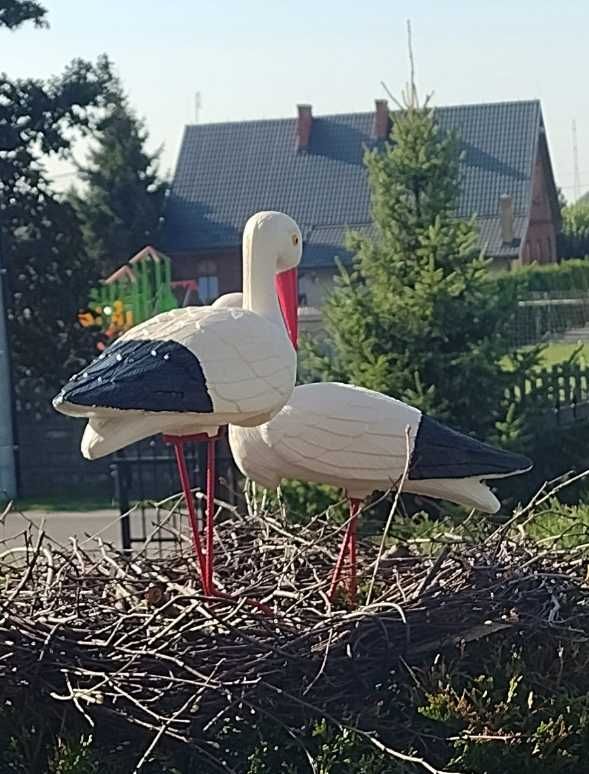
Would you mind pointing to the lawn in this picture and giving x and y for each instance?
(62, 503)
(559, 351)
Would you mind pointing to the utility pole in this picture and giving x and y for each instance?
(7, 457)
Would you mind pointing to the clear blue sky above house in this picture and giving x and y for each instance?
(257, 59)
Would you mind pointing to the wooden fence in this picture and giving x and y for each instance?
(562, 391)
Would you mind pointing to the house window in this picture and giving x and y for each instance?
(528, 251)
(549, 246)
(207, 281)
(540, 254)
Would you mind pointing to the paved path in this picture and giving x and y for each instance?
(60, 525)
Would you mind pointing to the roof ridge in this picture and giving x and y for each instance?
(458, 106)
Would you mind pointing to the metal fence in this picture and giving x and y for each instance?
(546, 316)
(145, 477)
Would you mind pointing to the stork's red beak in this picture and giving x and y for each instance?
(287, 290)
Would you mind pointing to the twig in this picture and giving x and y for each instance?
(186, 707)
(393, 510)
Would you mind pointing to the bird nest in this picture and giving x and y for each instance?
(131, 642)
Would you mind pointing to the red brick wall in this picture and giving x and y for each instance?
(540, 242)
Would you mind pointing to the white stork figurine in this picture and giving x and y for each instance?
(191, 370)
(356, 439)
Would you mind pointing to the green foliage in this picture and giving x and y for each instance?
(49, 274)
(13, 13)
(73, 757)
(571, 275)
(575, 229)
(416, 317)
(524, 706)
(49, 271)
(120, 207)
(575, 218)
(332, 751)
(561, 526)
(304, 501)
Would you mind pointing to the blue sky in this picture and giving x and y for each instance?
(258, 59)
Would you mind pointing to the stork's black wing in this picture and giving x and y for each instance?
(141, 374)
(441, 452)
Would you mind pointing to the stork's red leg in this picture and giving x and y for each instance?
(347, 549)
(185, 481)
(353, 587)
(206, 561)
(341, 558)
(211, 448)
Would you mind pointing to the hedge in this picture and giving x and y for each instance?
(571, 275)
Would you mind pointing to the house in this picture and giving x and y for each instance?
(312, 168)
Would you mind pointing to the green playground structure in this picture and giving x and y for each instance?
(139, 290)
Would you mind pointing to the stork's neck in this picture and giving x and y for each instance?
(259, 291)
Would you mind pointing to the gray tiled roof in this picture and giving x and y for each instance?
(226, 172)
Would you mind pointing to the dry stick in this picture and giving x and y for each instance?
(323, 664)
(534, 502)
(432, 572)
(392, 512)
(161, 525)
(307, 546)
(164, 730)
(29, 571)
(401, 756)
(114, 521)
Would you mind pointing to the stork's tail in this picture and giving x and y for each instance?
(470, 492)
(104, 436)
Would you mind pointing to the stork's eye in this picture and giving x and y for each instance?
(295, 239)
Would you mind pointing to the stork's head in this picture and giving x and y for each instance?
(278, 238)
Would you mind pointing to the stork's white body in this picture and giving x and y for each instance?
(356, 439)
(248, 380)
(192, 370)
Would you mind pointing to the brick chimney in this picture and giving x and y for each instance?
(506, 216)
(304, 124)
(382, 124)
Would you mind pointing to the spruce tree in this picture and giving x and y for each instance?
(416, 317)
(121, 205)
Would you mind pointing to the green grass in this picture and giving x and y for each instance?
(62, 503)
(560, 351)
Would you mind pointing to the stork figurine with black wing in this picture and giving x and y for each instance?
(188, 372)
(361, 441)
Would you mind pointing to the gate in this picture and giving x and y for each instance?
(146, 484)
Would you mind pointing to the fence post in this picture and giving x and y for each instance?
(120, 472)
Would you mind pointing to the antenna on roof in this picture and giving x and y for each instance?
(410, 97)
(577, 175)
(197, 106)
